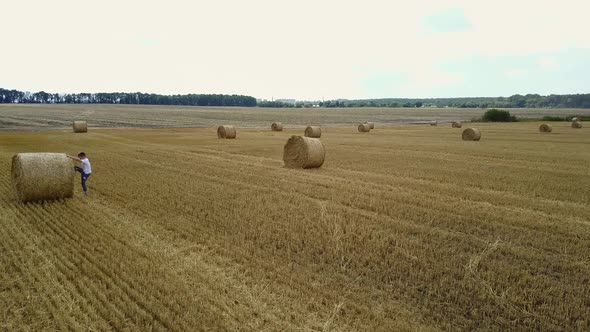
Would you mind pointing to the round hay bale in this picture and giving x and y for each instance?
(313, 131)
(433, 123)
(276, 126)
(304, 152)
(545, 128)
(371, 125)
(471, 134)
(364, 128)
(80, 126)
(226, 132)
(577, 124)
(457, 124)
(42, 176)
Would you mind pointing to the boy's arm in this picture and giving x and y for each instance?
(74, 158)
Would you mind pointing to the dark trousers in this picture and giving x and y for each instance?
(84, 177)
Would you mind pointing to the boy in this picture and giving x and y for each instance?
(85, 170)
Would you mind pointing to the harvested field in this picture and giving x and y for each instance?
(47, 116)
(406, 229)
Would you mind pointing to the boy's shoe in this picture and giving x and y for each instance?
(85, 193)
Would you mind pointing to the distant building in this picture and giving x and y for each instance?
(287, 101)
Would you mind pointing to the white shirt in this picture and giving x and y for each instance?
(86, 166)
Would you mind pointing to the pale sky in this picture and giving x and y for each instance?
(305, 49)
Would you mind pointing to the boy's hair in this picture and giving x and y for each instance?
(81, 155)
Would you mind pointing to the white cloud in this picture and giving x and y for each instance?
(515, 72)
(547, 63)
(302, 49)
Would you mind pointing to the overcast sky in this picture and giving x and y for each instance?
(304, 49)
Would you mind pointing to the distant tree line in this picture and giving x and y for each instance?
(42, 97)
(280, 104)
(515, 101)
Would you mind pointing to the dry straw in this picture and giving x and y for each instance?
(433, 123)
(371, 125)
(364, 128)
(226, 132)
(545, 128)
(276, 126)
(313, 131)
(576, 124)
(304, 152)
(42, 176)
(80, 126)
(471, 134)
(456, 124)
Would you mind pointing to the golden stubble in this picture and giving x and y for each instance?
(409, 228)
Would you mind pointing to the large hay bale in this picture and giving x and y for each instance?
(276, 126)
(364, 128)
(42, 176)
(457, 124)
(576, 124)
(80, 126)
(303, 152)
(433, 123)
(545, 128)
(471, 134)
(313, 131)
(226, 132)
(371, 125)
